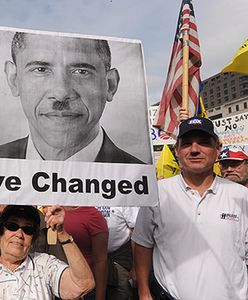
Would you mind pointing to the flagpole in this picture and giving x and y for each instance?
(185, 81)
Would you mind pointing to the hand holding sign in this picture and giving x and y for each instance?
(54, 218)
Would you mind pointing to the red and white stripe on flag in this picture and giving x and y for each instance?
(167, 114)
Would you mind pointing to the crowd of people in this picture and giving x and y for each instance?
(191, 246)
(102, 237)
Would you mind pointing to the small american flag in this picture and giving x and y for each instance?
(167, 114)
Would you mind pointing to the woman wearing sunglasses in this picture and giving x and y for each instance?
(38, 275)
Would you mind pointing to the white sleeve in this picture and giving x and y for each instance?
(130, 215)
(53, 269)
(144, 228)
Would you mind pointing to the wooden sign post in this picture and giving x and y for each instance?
(51, 236)
(185, 81)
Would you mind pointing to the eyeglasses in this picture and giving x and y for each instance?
(29, 230)
(231, 163)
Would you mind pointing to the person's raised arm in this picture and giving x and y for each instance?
(77, 279)
(142, 264)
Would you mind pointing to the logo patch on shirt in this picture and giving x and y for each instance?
(105, 210)
(230, 217)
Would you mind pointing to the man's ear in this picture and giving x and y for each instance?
(11, 75)
(175, 149)
(176, 154)
(113, 79)
(218, 150)
(218, 146)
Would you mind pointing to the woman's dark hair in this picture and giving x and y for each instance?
(26, 212)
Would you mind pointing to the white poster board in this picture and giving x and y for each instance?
(233, 129)
(74, 122)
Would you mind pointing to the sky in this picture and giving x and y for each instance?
(222, 27)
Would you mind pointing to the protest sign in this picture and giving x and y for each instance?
(233, 129)
(73, 114)
(158, 136)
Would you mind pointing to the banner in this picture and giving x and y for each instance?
(158, 136)
(233, 129)
(74, 123)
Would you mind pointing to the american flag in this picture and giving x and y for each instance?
(167, 114)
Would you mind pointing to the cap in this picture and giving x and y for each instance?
(27, 212)
(195, 123)
(232, 153)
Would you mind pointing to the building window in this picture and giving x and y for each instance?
(245, 105)
(233, 89)
(218, 95)
(226, 98)
(237, 107)
(225, 85)
(229, 110)
(211, 91)
(212, 103)
(244, 85)
(243, 78)
(225, 92)
(244, 92)
(234, 95)
(233, 82)
(219, 101)
(217, 116)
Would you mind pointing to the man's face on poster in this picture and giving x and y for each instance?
(63, 85)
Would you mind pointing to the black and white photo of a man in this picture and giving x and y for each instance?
(64, 84)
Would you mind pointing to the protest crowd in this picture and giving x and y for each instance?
(191, 245)
(177, 246)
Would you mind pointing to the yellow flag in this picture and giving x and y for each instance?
(167, 165)
(217, 169)
(202, 110)
(240, 61)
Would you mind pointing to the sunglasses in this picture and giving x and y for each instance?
(29, 230)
